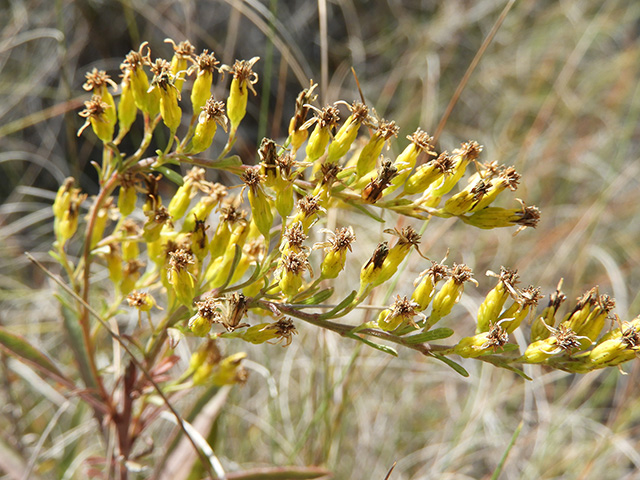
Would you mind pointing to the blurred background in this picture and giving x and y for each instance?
(556, 94)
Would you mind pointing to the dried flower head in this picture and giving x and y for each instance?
(340, 240)
(373, 191)
(213, 111)
(94, 109)
(242, 70)
(326, 118)
(387, 129)
(97, 79)
(293, 238)
(181, 259)
(184, 49)
(471, 150)
(252, 178)
(497, 337)
(422, 141)
(309, 205)
(296, 263)
(284, 330)
(134, 60)
(205, 62)
(461, 273)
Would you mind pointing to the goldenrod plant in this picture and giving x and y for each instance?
(226, 263)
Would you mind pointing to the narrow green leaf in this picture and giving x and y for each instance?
(377, 346)
(319, 297)
(514, 437)
(342, 305)
(280, 473)
(18, 347)
(429, 336)
(172, 175)
(366, 211)
(457, 367)
(74, 334)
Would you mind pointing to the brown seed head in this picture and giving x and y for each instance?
(296, 262)
(242, 71)
(213, 110)
(134, 60)
(294, 237)
(471, 150)
(422, 141)
(339, 240)
(181, 259)
(285, 329)
(209, 308)
(94, 108)
(460, 273)
(206, 62)
(386, 129)
(309, 205)
(97, 79)
(183, 49)
(497, 337)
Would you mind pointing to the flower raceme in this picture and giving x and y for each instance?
(220, 263)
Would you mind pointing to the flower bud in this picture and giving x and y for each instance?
(100, 222)
(127, 109)
(420, 143)
(348, 132)
(435, 170)
(264, 332)
(372, 150)
(494, 301)
(308, 210)
(133, 66)
(400, 314)
(181, 275)
(298, 133)
(218, 272)
(163, 84)
(205, 63)
(261, 212)
(513, 317)
(114, 264)
(211, 116)
(449, 294)
(207, 313)
(371, 270)
(67, 225)
(130, 275)
(156, 220)
(97, 83)
(425, 285)
(335, 249)
(292, 266)
(229, 371)
(127, 196)
(461, 158)
(193, 181)
(244, 78)
(229, 216)
(481, 343)
(103, 124)
(539, 327)
(325, 120)
(204, 207)
(182, 54)
(507, 178)
(496, 217)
